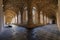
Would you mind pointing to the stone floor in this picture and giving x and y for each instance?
(47, 32)
(13, 33)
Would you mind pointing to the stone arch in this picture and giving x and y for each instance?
(9, 15)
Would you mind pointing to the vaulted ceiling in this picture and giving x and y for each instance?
(47, 6)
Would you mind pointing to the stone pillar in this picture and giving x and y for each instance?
(58, 19)
(19, 17)
(58, 15)
(1, 15)
(21, 10)
(24, 17)
(43, 18)
(38, 11)
(30, 18)
(46, 19)
(38, 16)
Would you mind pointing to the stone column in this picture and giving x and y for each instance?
(38, 11)
(18, 18)
(21, 10)
(43, 18)
(38, 16)
(24, 17)
(58, 15)
(58, 19)
(46, 19)
(1, 15)
(30, 18)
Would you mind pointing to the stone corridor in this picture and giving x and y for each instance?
(47, 32)
(30, 19)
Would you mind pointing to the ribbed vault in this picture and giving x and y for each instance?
(48, 7)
